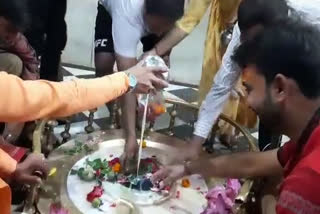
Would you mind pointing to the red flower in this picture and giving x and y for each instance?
(98, 172)
(95, 193)
(57, 209)
(167, 188)
(114, 161)
(148, 160)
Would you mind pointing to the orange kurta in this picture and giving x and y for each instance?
(22, 101)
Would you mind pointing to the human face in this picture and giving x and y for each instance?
(158, 24)
(260, 99)
(8, 32)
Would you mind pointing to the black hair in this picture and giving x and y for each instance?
(15, 11)
(291, 48)
(172, 9)
(261, 12)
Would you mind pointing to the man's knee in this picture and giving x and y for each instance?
(11, 64)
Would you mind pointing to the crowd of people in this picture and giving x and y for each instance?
(275, 50)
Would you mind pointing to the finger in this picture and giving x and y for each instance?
(158, 69)
(159, 83)
(159, 75)
(41, 167)
(30, 179)
(44, 170)
(141, 89)
(159, 175)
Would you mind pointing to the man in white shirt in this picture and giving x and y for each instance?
(251, 14)
(120, 25)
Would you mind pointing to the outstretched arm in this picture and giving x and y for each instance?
(241, 165)
(191, 18)
(224, 81)
(31, 100)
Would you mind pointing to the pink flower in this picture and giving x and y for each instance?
(57, 209)
(233, 188)
(221, 199)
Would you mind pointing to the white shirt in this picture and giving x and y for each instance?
(229, 73)
(128, 25)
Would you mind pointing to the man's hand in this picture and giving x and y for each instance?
(168, 175)
(153, 52)
(32, 170)
(148, 78)
(129, 157)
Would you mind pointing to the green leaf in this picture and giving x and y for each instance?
(80, 172)
(73, 172)
(105, 164)
(96, 164)
(86, 175)
(149, 168)
(105, 172)
(96, 202)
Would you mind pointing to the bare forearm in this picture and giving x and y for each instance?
(128, 102)
(128, 106)
(241, 165)
(196, 143)
(171, 39)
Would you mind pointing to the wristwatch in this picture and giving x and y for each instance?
(133, 82)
